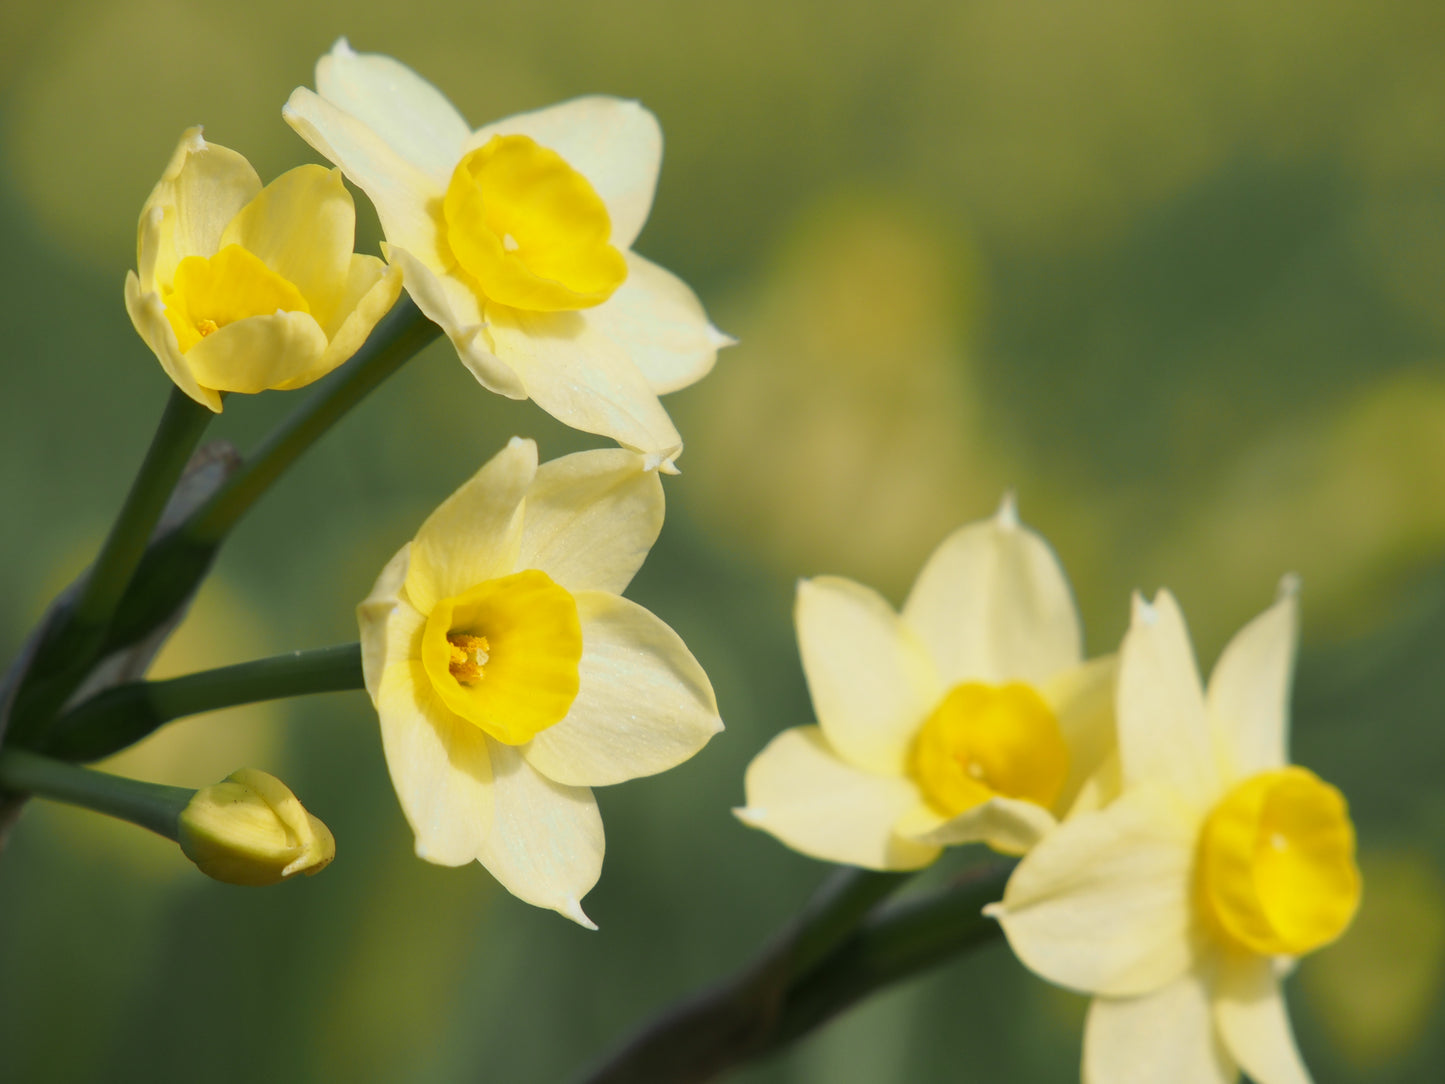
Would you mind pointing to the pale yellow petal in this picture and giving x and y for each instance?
(643, 705)
(404, 195)
(303, 226)
(992, 605)
(390, 627)
(615, 144)
(583, 378)
(259, 353)
(1104, 903)
(1082, 698)
(371, 290)
(871, 681)
(1250, 1012)
(148, 314)
(439, 766)
(201, 190)
(1163, 727)
(1166, 1037)
(545, 846)
(801, 792)
(662, 325)
(473, 535)
(450, 303)
(401, 107)
(1249, 689)
(591, 519)
(1008, 825)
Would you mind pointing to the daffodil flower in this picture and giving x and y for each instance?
(240, 288)
(510, 677)
(1180, 904)
(516, 240)
(970, 717)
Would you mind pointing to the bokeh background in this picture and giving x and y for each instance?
(1174, 271)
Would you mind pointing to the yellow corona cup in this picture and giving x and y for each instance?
(510, 676)
(969, 717)
(240, 288)
(516, 239)
(250, 829)
(1177, 904)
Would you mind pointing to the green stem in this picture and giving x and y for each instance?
(714, 1029)
(401, 334)
(149, 805)
(72, 643)
(123, 715)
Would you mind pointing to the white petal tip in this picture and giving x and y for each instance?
(1007, 516)
(719, 339)
(1144, 611)
(749, 815)
(194, 139)
(994, 911)
(717, 725)
(342, 47)
(1289, 585)
(573, 909)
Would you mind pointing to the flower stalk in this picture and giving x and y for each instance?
(125, 714)
(150, 805)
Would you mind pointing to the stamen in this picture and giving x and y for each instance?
(510, 243)
(207, 327)
(468, 655)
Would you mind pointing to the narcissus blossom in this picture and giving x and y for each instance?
(249, 829)
(516, 240)
(1182, 902)
(240, 288)
(510, 677)
(969, 717)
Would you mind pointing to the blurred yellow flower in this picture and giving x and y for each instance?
(971, 717)
(1179, 903)
(516, 240)
(240, 288)
(510, 677)
(250, 829)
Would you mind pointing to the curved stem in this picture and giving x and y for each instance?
(124, 714)
(149, 805)
(396, 338)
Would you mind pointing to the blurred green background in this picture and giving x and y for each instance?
(1174, 271)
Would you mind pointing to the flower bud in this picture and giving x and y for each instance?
(251, 830)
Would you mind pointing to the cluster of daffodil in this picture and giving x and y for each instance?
(1173, 863)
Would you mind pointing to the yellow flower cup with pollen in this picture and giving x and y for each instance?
(969, 717)
(240, 288)
(511, 677)
(516, 239)
(1177, 903)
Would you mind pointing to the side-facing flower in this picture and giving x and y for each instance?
(969, 717)
(516, 240)
(510, 677)
(1180, 904)
(240, 288)
(249, 829)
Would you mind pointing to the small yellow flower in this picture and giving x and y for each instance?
(510, 677)
(970, 717)
(251, 830)
(240, 288)
(1181, 903)
(516, 240)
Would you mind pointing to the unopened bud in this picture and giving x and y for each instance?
(251, 830)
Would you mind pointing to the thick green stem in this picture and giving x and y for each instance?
(62, 661)
(401, 334)
(149, 805)
(124, 714)
(769, 1004)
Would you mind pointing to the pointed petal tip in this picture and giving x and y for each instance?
(749, 815)
(1007, 516)
(994, 911)
(1289, 586)
(1144, 611)
(342, 47)
(573, 909)
(720, 339)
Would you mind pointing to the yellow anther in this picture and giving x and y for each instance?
(206, 327)
(467, 655)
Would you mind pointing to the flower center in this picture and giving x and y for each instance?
(504, 655)
(530, 229)
(1277, 866)
(984, 741)
(208, 293)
